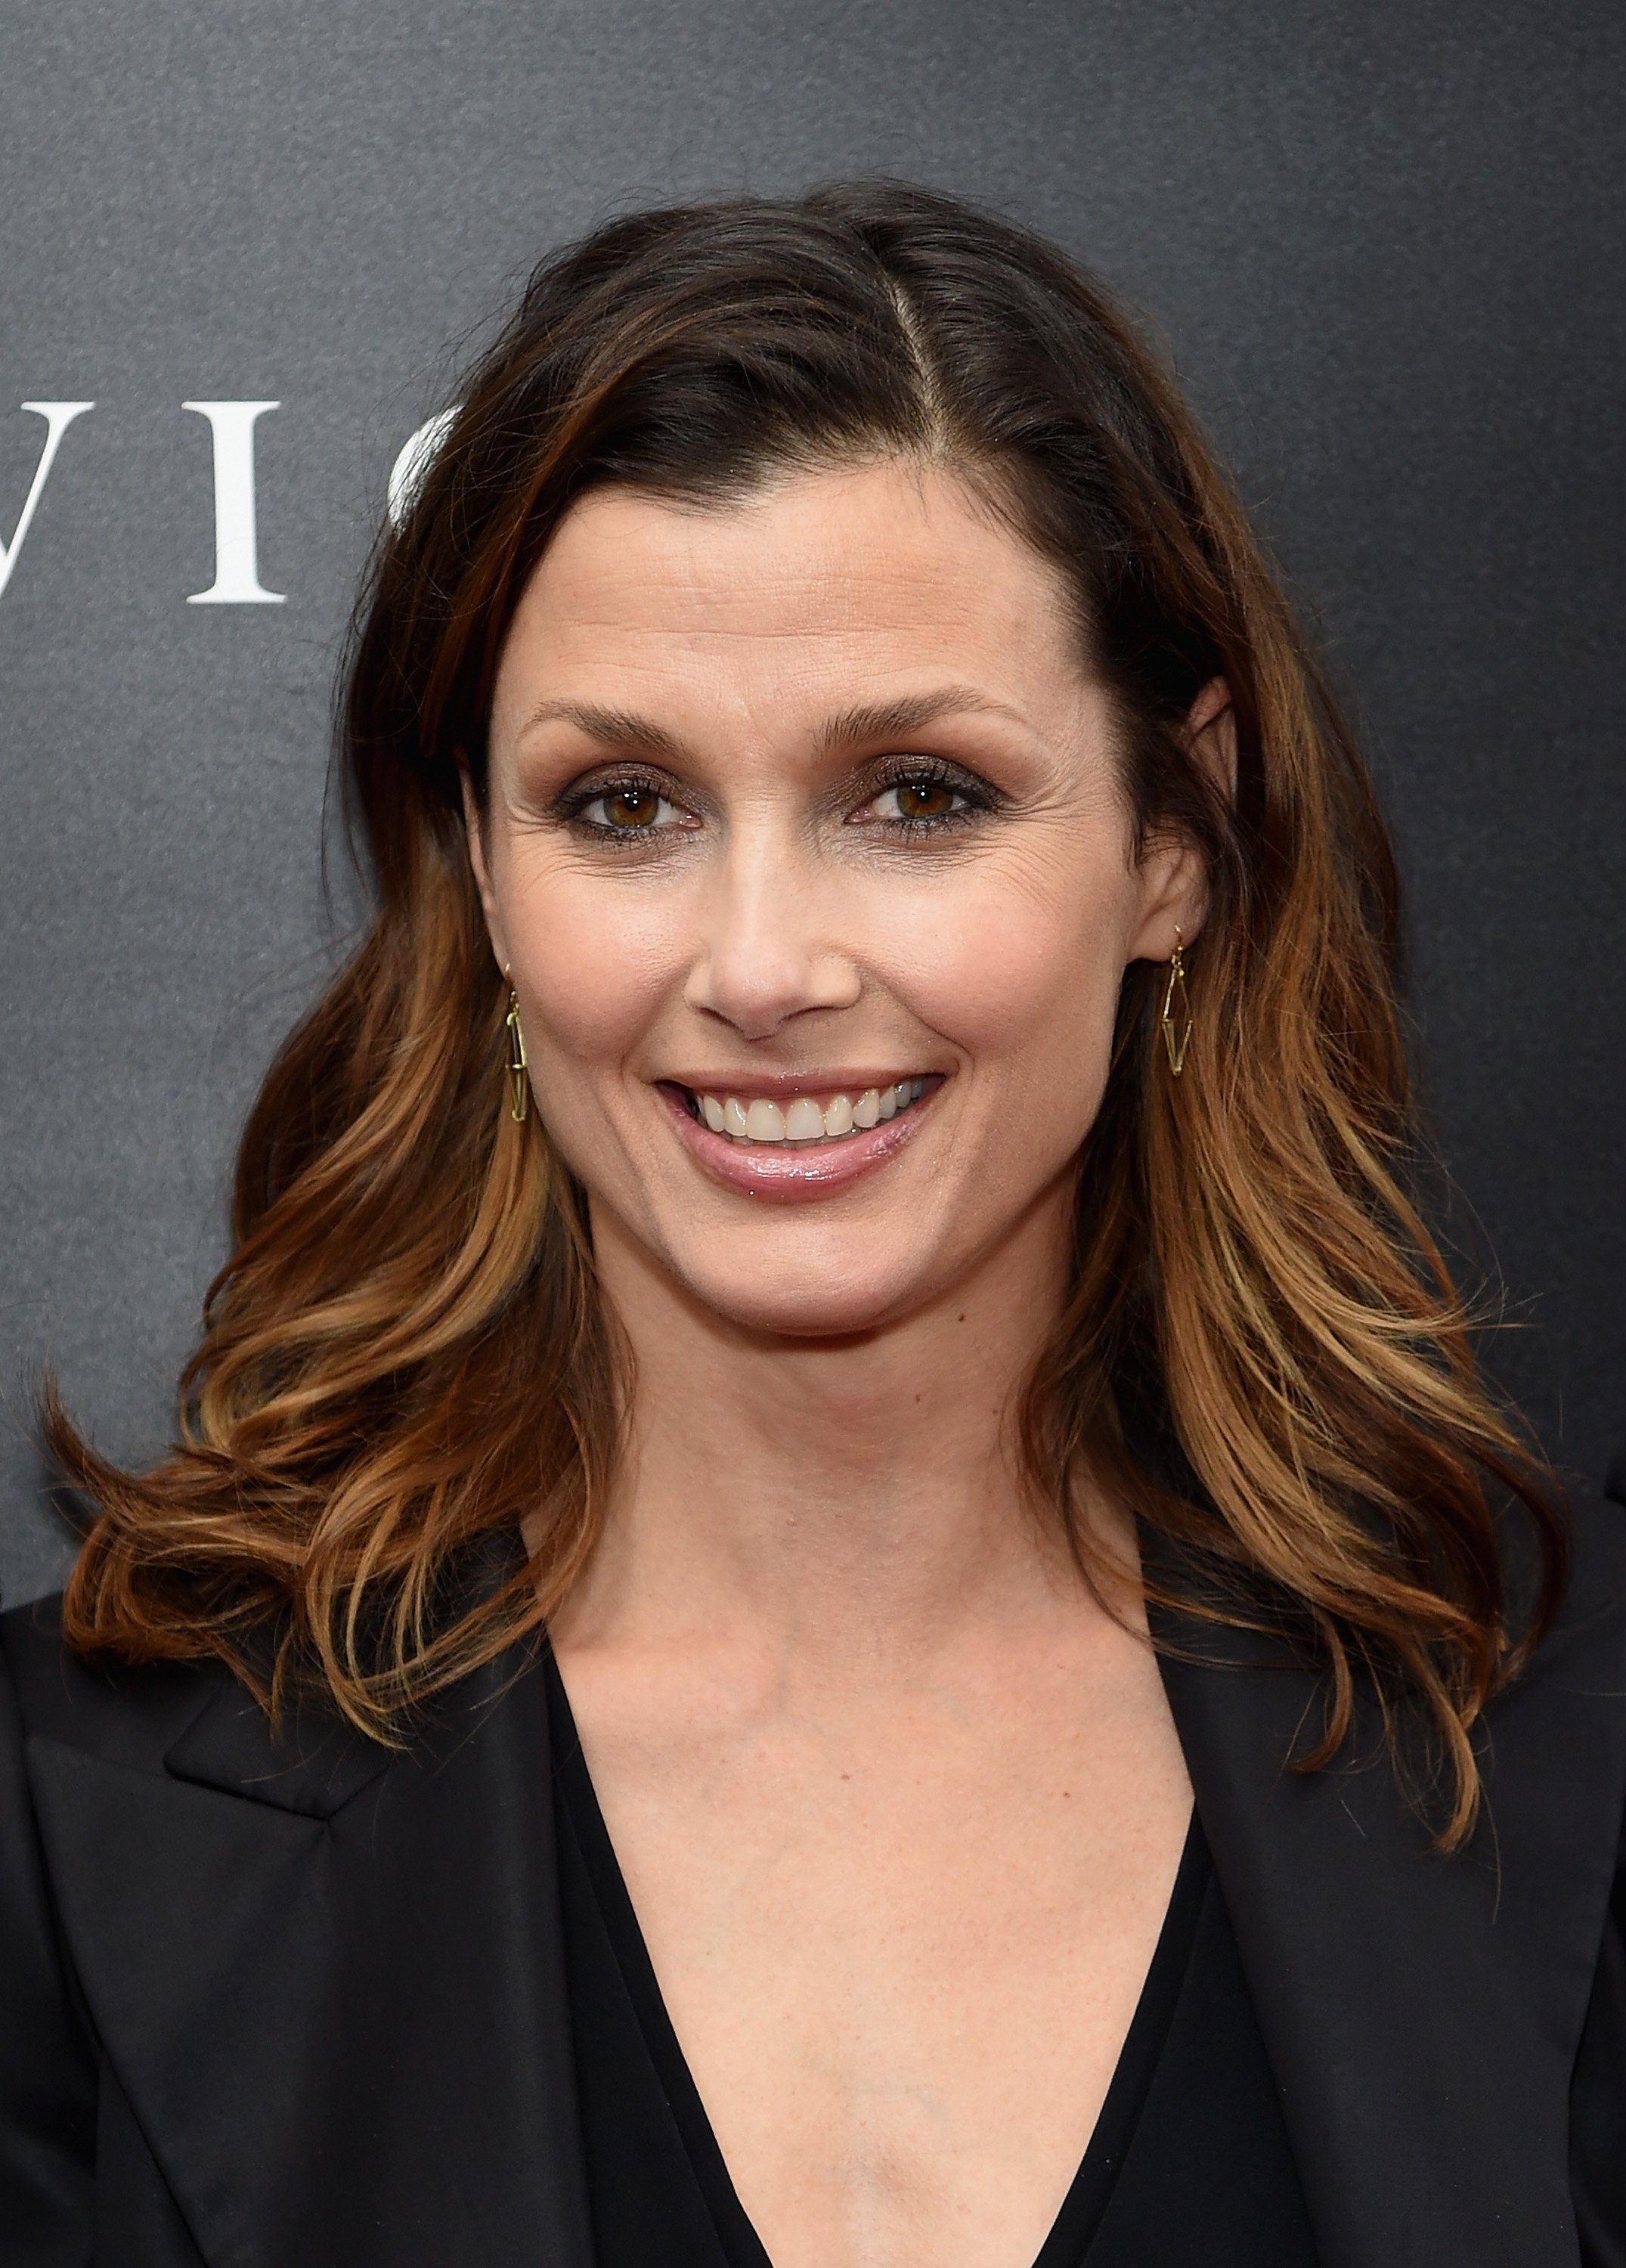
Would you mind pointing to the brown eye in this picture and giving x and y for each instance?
(631, 808)
(919, 798)
(923, 800)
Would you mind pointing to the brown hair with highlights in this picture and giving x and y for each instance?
(405, 1353)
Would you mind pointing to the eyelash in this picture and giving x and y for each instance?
(976, 801)
(578, 802)
(976, 798)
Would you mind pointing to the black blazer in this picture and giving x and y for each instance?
(300, 2006)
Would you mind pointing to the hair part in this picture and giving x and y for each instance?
(406, 1354)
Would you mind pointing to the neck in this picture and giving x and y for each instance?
(851, 1500)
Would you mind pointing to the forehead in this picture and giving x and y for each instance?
(822, 586)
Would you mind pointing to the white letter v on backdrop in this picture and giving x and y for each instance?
(58, 417)
(237, 565)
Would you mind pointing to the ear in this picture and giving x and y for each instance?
(1211, 735)
(1174, 906)
(474, 833)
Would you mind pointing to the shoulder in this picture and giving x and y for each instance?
(1535, 1879)
(1581, 1663)
(255, 1930)
(1552, 1749)
(1595, 1600)
(129, 1715)
(105, 1724)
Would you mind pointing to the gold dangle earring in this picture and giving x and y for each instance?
(1176, 1017)
(518, 1070)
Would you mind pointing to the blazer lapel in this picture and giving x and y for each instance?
(1421, 2013)
(330, 1983)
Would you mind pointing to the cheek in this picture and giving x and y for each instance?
(592, 965)
(1025, 979)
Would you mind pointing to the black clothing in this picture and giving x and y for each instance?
(302, 2003)
(1190, 2160)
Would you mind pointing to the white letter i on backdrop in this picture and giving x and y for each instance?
(237, 565)
(58, 417)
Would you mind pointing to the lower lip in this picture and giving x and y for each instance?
(794, 1173)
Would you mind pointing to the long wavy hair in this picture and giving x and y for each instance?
(405, 1354)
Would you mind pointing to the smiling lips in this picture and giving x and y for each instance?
(803, 1117)
(794, 1146)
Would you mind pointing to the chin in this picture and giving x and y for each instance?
(842, 1304)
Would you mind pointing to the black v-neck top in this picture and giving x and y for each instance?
(1190, 2160)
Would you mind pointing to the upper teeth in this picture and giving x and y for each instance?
(755, 1119)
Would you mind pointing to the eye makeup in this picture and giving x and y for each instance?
(930, 795)
(630, 804)
(927, 795)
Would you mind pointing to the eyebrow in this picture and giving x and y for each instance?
(884, 720)
(875, 721)
(615, 728)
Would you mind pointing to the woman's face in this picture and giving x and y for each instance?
(806, 847)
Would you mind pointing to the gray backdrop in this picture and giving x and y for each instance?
(1384, 241)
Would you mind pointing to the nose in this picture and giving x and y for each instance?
(770, 948)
